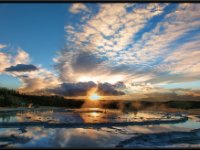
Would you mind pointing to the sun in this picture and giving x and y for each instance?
(94, 96)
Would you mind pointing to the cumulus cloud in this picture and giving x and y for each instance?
(32, 77)
(21, 68)
(108, 89)
(7, 60)
(82, 88)
(22, 57)
(38, 81)
(78, 7)
(74, 89)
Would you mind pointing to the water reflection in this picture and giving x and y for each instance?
(8, 117)
(60, 138)
(79, 137)
(82, 137)
(83, 116)
(94, 116)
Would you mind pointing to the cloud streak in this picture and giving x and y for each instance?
(21, 68)
(78, 8)
(128, 50)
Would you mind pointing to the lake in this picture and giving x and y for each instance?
(94, 127)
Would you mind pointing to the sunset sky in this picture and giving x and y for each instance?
(124, 49)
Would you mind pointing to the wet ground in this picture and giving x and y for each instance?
(63, 128)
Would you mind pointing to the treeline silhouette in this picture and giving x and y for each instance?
(12, 98)
(140, 105)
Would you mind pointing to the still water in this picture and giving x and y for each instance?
(36, 135)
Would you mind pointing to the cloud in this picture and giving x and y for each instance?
(85, 61)
(161, 41)
(73, 62)
(2, 46)
(22, 57)
(119, 85)
(74, 89)
(172, 96)
(162, 94)
(108, 89)
(117, 45)
(21, 68)
(185, 60)
(96, 51)
(7, 60)
(161, 53)
(82, 88)
(4, 61)
(78, 7)
(32, 77)
(39, 82)
(112, 31)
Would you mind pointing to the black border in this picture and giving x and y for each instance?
(98, 1)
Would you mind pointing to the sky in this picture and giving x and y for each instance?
(120, 49)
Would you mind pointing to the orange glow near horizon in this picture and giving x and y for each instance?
(94, 96)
